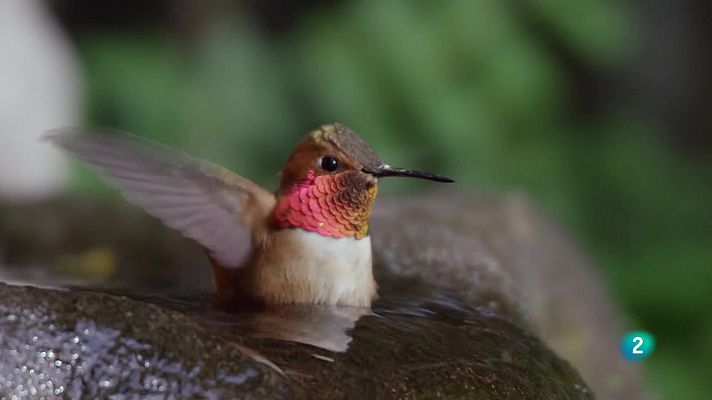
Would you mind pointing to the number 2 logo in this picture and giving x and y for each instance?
(637, 345)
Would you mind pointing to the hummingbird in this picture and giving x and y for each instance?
(306, 243)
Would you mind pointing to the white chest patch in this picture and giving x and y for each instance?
(311, 268)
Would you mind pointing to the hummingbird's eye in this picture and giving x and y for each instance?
(329, 163)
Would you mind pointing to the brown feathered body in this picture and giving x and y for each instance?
(306, 243)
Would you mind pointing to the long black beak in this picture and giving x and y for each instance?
(386, 170)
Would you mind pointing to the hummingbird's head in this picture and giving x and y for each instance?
(329, 183)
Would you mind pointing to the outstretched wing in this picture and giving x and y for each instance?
(205, 202)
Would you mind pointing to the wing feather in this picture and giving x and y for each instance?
(205, 202)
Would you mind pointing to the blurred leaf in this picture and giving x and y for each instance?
(598, 31)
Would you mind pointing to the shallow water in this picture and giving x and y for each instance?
(415, 339)
(407, 307)
(406, 303)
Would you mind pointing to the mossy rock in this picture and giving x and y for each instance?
(83, 344)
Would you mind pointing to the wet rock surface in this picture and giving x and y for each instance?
(91, 345)
(86, 344)
(504, 252)
(469, 308)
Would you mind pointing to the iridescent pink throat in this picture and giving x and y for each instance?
(336, 205)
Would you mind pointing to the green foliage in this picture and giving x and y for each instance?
(463, 88)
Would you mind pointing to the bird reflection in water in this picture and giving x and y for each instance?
(324, 327)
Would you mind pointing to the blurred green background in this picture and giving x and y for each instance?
(566, 100)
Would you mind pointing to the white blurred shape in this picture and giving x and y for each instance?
(40, 89)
